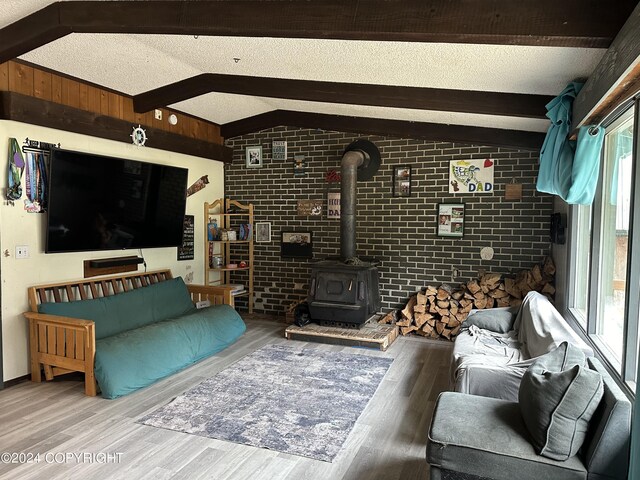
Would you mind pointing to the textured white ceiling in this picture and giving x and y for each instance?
(135, 63)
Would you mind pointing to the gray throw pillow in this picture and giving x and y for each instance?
(558, 396)
(496, 320)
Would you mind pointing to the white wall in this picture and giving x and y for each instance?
(20, 228)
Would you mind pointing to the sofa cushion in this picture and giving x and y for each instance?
(498, 320)
(128, 310)
(134, 359)
(558, 396)
(487, 437)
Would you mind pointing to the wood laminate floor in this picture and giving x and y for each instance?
(57, 421)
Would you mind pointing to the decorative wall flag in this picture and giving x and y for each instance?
(16, 167)
(471, 176)
(333, 205)
(198, 185)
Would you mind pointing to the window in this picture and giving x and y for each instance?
(613, 231)
(603, 268)
(582, 253)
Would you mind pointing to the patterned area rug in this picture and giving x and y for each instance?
(299, 401)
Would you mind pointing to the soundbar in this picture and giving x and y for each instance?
(115, 262)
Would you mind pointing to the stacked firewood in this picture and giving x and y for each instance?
(440, 311)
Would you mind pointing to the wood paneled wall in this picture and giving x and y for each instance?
(45, 85)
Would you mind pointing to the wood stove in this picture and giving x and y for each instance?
(342, 293)
(345, 291)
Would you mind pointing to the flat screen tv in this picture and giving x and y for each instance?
(105, 203)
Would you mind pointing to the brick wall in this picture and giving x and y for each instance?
(401, 232)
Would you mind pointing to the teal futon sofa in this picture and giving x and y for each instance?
(127, 332)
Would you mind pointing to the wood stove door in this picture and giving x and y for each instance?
(338, 287)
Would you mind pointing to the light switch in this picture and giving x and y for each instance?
(22, 251)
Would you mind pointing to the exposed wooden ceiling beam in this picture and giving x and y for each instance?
(569, 23)
(393, 128)
(615, 79)
(490, 103)
(35, 111)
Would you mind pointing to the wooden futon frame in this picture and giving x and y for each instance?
(61, 345)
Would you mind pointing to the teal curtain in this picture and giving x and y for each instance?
(569, 168)
(586, 166)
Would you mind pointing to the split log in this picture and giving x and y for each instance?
(405, 322)
(549, 268)
(511, 288)
(431, 291)
(407, 311)
(421, 318)
(443, 304)
(409, 329)
(439, 328)
(458, 294)
(453, 322)
(444, 292)
(473, 286)
(421, 299)
(490, 279)
(419, 309)
(467, 308)
(481, 303)
(536, 273)
(497, 293)
(503, 302)
(389, 317)
(427, 329)
(548, 288)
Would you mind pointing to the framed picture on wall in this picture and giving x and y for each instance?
(450, 220)
(402, 181)
(263, 232)
(296, 245)
(254, 156)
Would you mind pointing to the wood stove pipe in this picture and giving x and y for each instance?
(351, 160)
(360, 161)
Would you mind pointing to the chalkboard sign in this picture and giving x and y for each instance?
(185, 252)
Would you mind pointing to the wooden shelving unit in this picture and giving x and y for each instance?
(229, 215)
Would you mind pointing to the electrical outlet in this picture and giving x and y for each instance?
(22, 251)
(158, 114)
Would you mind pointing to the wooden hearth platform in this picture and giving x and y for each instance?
(371, 334)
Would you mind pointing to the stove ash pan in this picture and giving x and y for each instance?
(343, 293)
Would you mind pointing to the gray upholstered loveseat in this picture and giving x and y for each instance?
(475, 438)
(484, 436)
